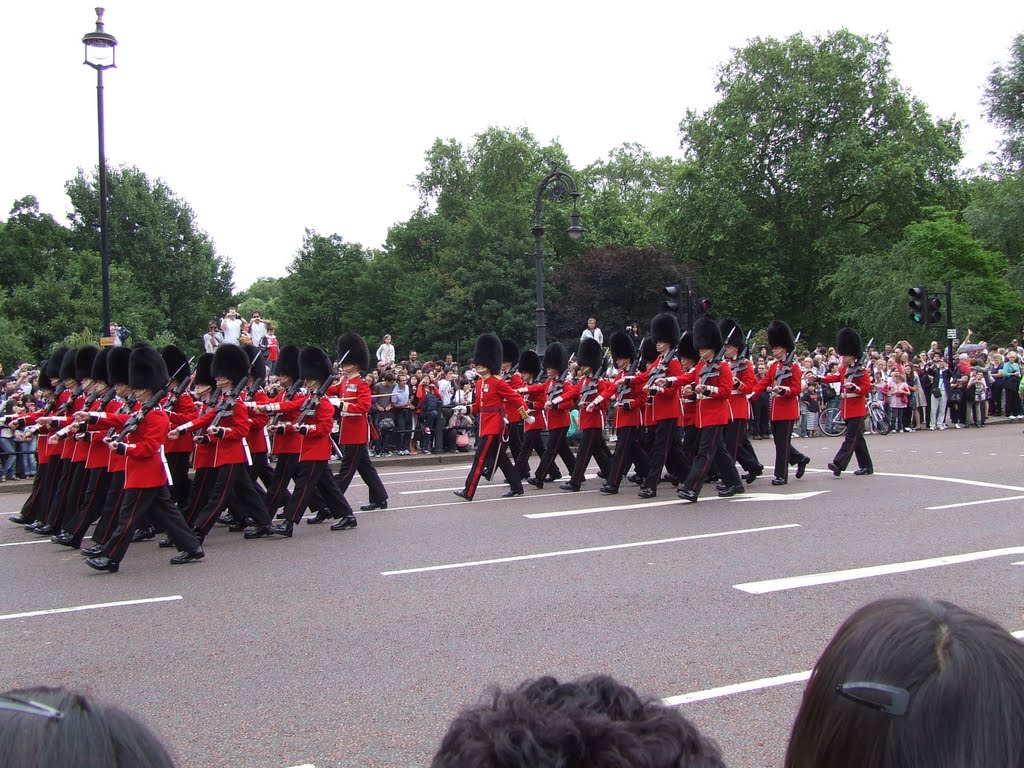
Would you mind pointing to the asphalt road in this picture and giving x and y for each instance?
(356, 648)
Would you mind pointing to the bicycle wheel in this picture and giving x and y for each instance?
(831, 423)
(879, 421)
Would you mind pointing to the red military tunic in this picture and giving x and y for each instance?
(99, 451)
(229, 448)
(712, 404)
(184, 409)
(315, 432)
(354, 425)
(558, 415)
(142, 449)
(595, 419)
(635, 397)
(494, 398)
(516, 382)
(664, 404)
(535, 404)
(288, 441)
(257, 437)
(784, 407)
(743, 382)
(115, 421)
(853, 402)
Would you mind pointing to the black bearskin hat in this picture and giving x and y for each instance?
(665, 327)
(848, 342)
(146, 369)
(529, 362)
(67, 365)
(556, 357)
(314, 364)
(589, 354)
(686, 349)
(621, 345)
(648, 352)
(117, 365)
(258, 369)
(488, 352)
(509, 351)
(231, 362)
(780, 335)
(53, 364)
(84, 358)
(176, 362)
(99, 366)
(204, 371)
(355, 346)
(706, 334)
(288, 362)
(727, 325)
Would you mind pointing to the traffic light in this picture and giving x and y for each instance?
(918, 304)
(673, 298)
(934, 312)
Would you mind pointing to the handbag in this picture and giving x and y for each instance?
(386, 424)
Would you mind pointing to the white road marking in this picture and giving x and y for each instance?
(586, 550)
(458, 502)
(976, 502)
(752, 685)
(482, 486)
(416, 471)
(118, 604)
(799, 496)
(749, 496)
(832, 577)
(957, 480)
(21, 543)
(406, 482)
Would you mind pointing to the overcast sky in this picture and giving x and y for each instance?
(268, 118)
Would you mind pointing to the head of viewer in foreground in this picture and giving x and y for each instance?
(594, 722)
(56, 728)
(913, 683)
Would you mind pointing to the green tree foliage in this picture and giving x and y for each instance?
(814, 152)
(870, 292)
(617, 285)
(1004, 99)
(996, 217)
(172, 282)
(262, 296)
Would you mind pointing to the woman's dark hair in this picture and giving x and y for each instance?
(57, 728)
(913, 683)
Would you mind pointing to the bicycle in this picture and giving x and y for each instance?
(833, 424)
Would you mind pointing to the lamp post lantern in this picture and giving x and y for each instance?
(99, 54)
(557, 184)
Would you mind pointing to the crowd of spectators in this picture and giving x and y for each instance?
(18, 448)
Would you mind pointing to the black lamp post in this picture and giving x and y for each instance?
(99, 54)
(557, 184)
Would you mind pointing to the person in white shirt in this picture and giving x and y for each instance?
(212, 339)
(231, 327)
(257, 330)
(592, 332)
(386, 351)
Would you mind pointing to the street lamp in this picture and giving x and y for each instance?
(99, 54)
(557, 184)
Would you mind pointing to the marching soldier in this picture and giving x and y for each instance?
(509, 372)
(559, 396)
(594, 394)
(856, 383)
(494, 398)
(782, 380)
(743, 382)
(662, 381)
(630, 397)
(533, 395)
(184, 407)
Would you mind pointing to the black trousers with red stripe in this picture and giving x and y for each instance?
(356, 459)
(490, 452)
(73, 493)
(628, 450)
(199, 493)
(532, 443)
(261, 470)
(313, 479)
(177, 464)
(666, 451)
(739, 446)
(277, 492)
(112, 503)
(711, 452)
(785, 454)
(61, 473)
(557, 446)
(232, 479)
(97, 481)
(591, 445)
(41, 488)
(854, 444)
(156, 504)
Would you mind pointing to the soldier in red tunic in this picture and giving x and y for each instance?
(629, 398)
(559, 398)
(711, 383)
(856, 383)
(493, 399)
(782, 380)
(743, 382)
(510, 373)
(179, 451)
(594, 394)
(145, 471)
(662, 381)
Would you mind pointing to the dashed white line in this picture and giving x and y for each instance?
(586, 550)
(22, 543)
(118, 604)
(975, 503)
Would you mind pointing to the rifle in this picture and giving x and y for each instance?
(626, 383)
(660, 369)
(785, 369)
(595, 376)
(181, 388)
(860, 365)
(226, 405)
(136, 418)
(311, 403)
(82, 426)
(711, 369)
(559, 385)
(31, 430)
(507, 375)
(293, 390)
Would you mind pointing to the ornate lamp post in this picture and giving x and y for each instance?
(99, 54)
(557, 184)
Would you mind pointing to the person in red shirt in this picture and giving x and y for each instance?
(312, 419)
(856, 384)
(493, 399)
(783, 382)
(629, 397)
(146, 472)
(594, 393)
(559, 399)
(270, 342)
(355, 398)
(743, 382)
(711, 383)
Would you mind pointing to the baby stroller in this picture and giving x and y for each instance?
(462, 423)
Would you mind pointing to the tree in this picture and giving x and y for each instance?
(1004, 100)
(262, 296)
(870, 292)
(996, 217)
(172, 282)
(813, 152)
(28, 241)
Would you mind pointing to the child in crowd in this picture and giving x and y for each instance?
(898, 392)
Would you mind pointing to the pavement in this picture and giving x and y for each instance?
(356, 648)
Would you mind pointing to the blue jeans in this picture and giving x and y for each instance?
(8, 453)
(28, 464)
